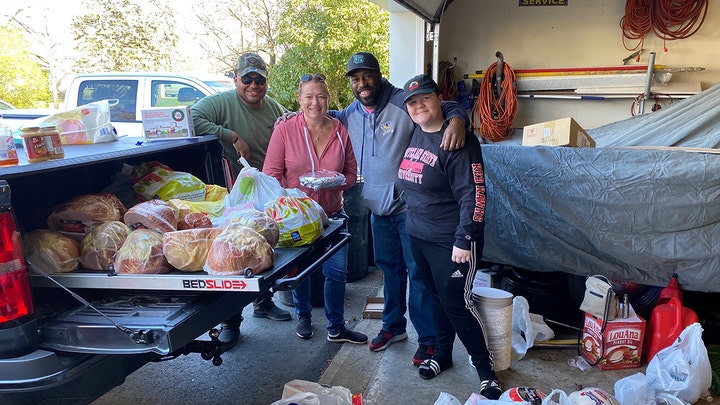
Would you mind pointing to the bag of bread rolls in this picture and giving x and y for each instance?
(98, 248)
(52, 251)
(299, 219)
(157, 215)
(194, 220)
(213, 209)
(256, 220)
(236, 249)
(187, 249)
(77, 217)
(142, 254)
(154, 180)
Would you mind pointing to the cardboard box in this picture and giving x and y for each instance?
(373, 308)
(167, 123)
(486, 278)
(562, 132)
(623, 341)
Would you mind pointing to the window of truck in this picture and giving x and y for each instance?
(125, 91)
(220, 84)
(166, 93)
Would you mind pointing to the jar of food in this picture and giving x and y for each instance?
(53, 143)
(34, 144)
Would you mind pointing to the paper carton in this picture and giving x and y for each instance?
(486, 278)
(373, 307)
(167, 123)
(562, 132)
(623, 341)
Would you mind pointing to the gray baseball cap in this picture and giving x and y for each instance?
(251, 62)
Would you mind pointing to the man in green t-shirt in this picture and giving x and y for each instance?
(243, 119)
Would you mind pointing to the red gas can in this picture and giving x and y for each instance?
(672, 290)
(666, 323)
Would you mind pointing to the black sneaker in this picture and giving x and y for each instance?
(384, 339)
(347, 335)
(272, 311)
(431, 368)
(423, 353)
(229, 333)
(304, 328)
(490, 389)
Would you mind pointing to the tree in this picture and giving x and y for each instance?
(120, 35)
(318, 36)
(24, 81)
(43, 43)
(233, 27)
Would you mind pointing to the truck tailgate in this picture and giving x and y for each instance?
(84, 354)
(160, 313)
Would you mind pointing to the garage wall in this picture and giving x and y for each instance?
(582, 34)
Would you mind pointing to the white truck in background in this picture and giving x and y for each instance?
(133, 91)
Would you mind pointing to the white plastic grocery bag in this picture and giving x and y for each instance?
(683, 368)
(253, 188)
(86, 124)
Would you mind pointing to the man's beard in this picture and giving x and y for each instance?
(368, 101)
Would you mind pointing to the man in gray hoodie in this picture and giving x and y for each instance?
(380, 130)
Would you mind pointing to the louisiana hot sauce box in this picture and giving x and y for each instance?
(623, 341)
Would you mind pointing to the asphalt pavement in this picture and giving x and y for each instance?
(268, 355)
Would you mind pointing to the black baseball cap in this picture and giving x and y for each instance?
(362, 60)
(420, 84)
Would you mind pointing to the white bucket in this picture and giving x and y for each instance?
(495, 307)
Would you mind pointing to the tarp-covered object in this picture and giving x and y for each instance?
(631, 214)
(692, 123)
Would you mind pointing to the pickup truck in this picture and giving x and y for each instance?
(134, 92)
(74, 336)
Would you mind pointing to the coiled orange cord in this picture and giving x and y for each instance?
(446, 80)
(678, 19)
(493, 117)
(636, 23)
(668, 19)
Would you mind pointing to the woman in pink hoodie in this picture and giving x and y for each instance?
(313, 142)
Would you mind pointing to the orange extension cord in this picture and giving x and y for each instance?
(446, 81)
(493, 118)
(668, 19)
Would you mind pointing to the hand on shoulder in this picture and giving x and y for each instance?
(285, 117)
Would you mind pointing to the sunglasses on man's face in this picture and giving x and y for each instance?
(259, 80)
(309, 76)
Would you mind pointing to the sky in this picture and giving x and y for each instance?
(55, 17)
(53, 14)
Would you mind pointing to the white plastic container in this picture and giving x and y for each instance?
(495, 307)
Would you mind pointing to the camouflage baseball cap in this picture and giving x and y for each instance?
(250, 62)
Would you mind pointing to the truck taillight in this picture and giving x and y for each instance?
(15, 298)
(18, 327)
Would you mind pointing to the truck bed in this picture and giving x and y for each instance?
(96, 328)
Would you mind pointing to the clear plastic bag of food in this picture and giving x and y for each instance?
(321, 179)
